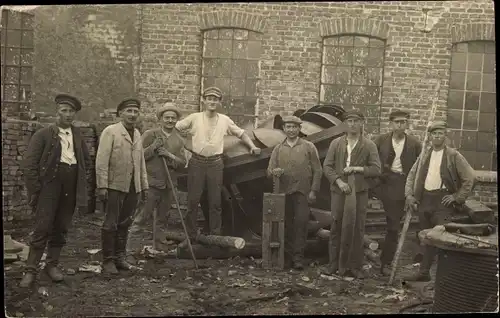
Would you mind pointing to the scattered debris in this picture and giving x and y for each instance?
(70, 271)
(95, 254)
(90, 269)
(231, 272)
(12, 246)
(305, 278)
(43, 291)
(328, 277)
(7, 268)
(150, 252)
(19, 314)
(141, 262)
(10, 258)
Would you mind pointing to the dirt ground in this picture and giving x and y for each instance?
(169, 286)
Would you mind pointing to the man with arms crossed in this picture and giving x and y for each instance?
(205, 169)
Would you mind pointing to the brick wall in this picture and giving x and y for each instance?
(89, 51)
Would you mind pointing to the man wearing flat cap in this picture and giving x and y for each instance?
(398, 152)
(295, 161)
(122, 183)
(55, 166)
(350, 160)
(443, 182)
(205, 169)
(162, 143)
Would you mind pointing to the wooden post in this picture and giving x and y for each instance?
(273, 229)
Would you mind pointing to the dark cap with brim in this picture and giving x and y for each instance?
(353, 114)
(169, 106)
(64, 99)
(131, 102)
(437, 125)
(399, 114)
(292, 120)
(212, 91)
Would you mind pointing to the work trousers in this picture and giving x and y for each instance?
(432, 212)
(159, 199)
(205, 174)
(296, 217)
(393, 200)
(347, 240)
(120, 208)
(55, 208)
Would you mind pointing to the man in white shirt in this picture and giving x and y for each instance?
(55, 171)
(205, 169)
(398, 152)
(443, 183)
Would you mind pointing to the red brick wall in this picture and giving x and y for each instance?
(292, 33)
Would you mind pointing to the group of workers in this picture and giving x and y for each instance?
(132, 170)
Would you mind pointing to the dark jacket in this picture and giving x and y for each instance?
(457, 175)
(157, 176)
(41, 160)
(411, 151)
(364, 154)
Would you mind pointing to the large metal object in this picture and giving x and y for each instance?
(245, 178)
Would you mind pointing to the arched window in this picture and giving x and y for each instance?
(17, 62)
(352, 75)
(231, 62)
(472, 102)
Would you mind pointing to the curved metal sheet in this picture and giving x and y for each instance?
(331, 109)
(322, 119)
(309, 128)
(269, 137)
(234, 147)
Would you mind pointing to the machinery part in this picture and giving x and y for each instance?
(465, 282)
(273, 228)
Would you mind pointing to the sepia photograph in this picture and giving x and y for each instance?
(249, 158)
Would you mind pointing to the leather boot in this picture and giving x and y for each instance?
(121, 250)
(54, 273)
(108, 252)
(34, 257)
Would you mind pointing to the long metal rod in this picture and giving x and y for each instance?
(408, 213)
(180, 213)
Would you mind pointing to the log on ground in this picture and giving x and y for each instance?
(213, 240)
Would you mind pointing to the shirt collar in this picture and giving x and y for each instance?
(298, 142)
(65, 130)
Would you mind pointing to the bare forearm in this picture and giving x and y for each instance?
(246, 139)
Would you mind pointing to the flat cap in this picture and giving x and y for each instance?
(437, 125)
(131, 102)
(292, 119)
(399, 113)
(212, 91)
(353, 114)
(68, 100)
(169, 106)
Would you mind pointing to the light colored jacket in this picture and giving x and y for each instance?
(118, 157)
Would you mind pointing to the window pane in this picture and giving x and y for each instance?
(332, 55)
(373, 95)
(12, 74)
(237, 87)
(376, 42)
(14, 19)
(251, 88)
(208, 82)
(345, 57)
(487, 122)
(455, 138)
(360, 55)
(357, 95)
(212, 34)
(473, 81)
(13, 37)
(488, 102)
(226, 34)
(27, 57)
(458, 61)
(461, 47)
(27, 40)
(470, 156)
(469, 140)
(238, 69)
(240, 34)
(342, 75)
(455, 119)
(239, 49)
(223, 85)
(476, 47)
(25, 94)
(490, 47)
(254, 36)
(486, 142)
(225, 48)
(224, 68)
(489, 83)
(361, 41)
(346, 40)
(475, 62)
(489, 63)
(336, 93)
(483, 161)
(211, 67)
(472, 100)
(331, 41)
(456, 99)
(470, 120)
(374, 76)
(252, 69)
(329, 74)
(457, 80)
(358, 76)
(11, 92)
(494, 161)
(211, 48)
(375, 58)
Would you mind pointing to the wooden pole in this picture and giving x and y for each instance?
(180, 213)
(408, 212)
